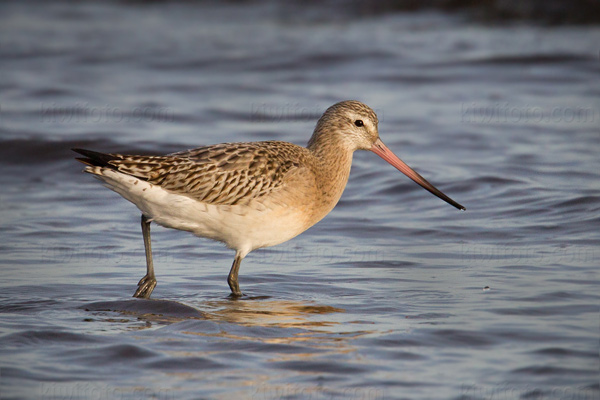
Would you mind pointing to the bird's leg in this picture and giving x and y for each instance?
(232, 279)
(147, 284)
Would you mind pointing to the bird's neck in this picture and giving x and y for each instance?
(333, 162)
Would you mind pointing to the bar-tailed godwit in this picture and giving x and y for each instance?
(247, 195)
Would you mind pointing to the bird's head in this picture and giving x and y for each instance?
(351, 125)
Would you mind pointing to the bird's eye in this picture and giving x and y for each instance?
(359, 122)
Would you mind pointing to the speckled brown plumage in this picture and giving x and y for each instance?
(223, 174)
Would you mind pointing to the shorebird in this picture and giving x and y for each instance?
(247, 195)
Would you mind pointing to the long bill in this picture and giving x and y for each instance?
(382, 151)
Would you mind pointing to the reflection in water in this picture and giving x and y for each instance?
(271, 313)
(295, 336)
(149, 312)
(306, 320)
(247, 312)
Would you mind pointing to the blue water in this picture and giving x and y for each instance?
(395, 295)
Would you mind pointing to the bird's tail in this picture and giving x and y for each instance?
(95, 159)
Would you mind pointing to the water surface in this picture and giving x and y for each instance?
(394, 295)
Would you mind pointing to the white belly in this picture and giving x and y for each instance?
(243, 228)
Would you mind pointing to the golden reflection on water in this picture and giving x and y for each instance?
(318, 330)
(270, 313)
(313, 323)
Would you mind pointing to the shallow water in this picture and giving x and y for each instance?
(394, 295)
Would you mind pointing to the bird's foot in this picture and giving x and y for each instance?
(234, 285)
(236, 296)
(145, 287)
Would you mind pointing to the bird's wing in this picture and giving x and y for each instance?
(224, 174)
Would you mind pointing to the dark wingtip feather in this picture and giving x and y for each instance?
(94, 158)
(85, 161)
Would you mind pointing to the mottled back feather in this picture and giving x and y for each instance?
(222, 174)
